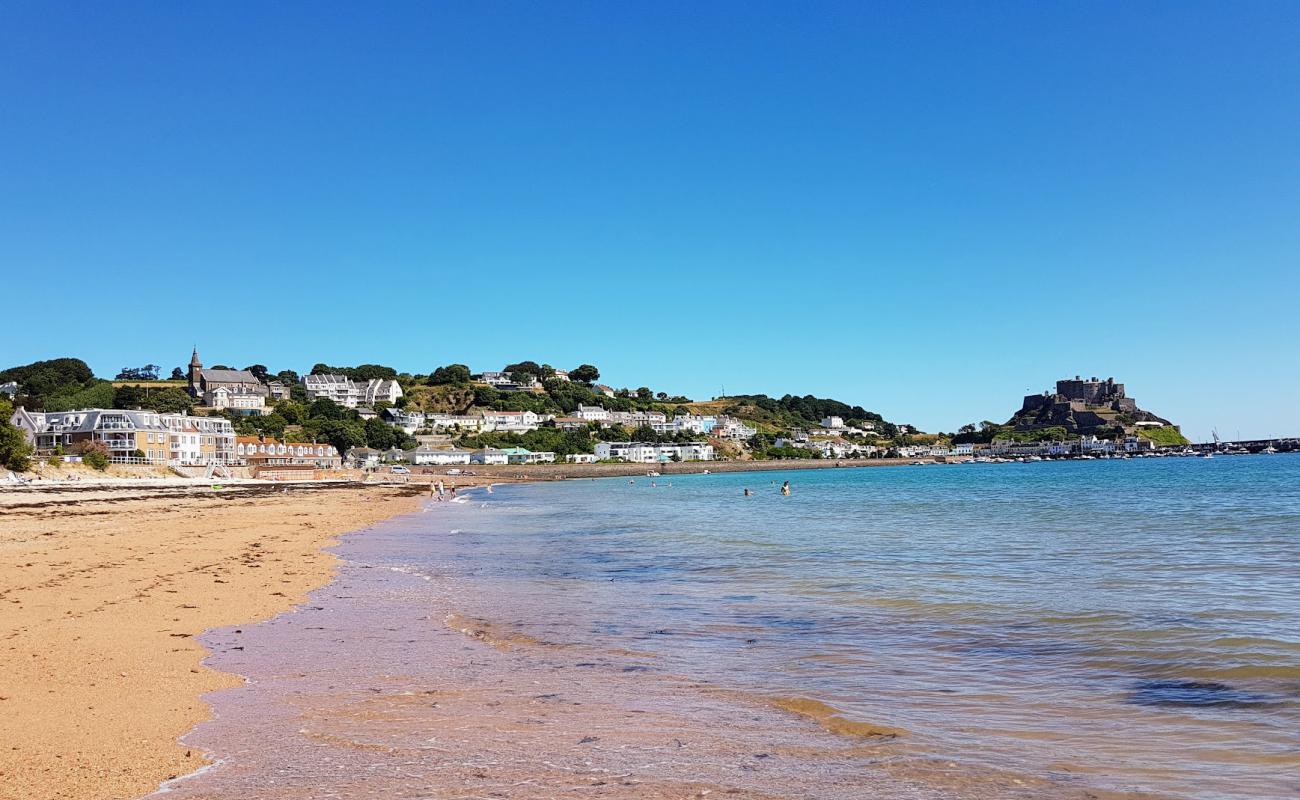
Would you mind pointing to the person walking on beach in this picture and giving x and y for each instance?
(785, 489)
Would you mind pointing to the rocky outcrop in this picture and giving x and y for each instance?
(1083, 407)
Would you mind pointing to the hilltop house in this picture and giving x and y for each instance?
(505, 382)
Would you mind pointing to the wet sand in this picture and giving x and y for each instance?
(102, 593)
(379, 686)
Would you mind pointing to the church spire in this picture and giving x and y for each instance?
(194, 359)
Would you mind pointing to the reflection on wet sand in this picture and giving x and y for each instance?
(357, 695)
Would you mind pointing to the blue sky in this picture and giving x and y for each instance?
(926, 209)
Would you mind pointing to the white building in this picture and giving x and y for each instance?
(522, 455)
(635, 419)
(832, 422)
(174, 439)
(652, 453)
(732, 428)
(513, 421)
(408, 421)
(239, 398)
(580, 458)
(347, 392)
(505, 382)
(489, 455)
(687, 423)
(426, 456)
(592, 413)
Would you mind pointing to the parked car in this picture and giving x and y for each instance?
(401, 471)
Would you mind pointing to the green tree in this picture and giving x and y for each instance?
(325, 408)
(172, 400)
(15, 452)
(177, 374)
(585, 374)
(380, 435)
(450, 374)
(94, 455)
(342, 434)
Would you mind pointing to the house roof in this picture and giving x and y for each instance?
(228, 376)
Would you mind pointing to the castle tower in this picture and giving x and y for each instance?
(196, 367)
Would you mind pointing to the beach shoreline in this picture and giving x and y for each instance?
(105, 590)
(475, 706)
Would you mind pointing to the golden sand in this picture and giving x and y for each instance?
(101, 596)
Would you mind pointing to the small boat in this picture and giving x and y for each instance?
(652, 474)
(1207, 455)
(1270, 450)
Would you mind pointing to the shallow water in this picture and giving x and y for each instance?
(1052, 629)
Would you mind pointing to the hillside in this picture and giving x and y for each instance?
(776, 415)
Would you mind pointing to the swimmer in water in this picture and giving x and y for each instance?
(747, 493)
(785, 489)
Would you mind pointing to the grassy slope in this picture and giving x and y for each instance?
(1165, 437)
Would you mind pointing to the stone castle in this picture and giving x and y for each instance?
(1083, 406)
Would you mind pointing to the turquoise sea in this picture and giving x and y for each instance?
(1105, 628)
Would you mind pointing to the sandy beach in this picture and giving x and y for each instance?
(102, 591)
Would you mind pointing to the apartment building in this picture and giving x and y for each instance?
(349, 393)
(176, 439)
